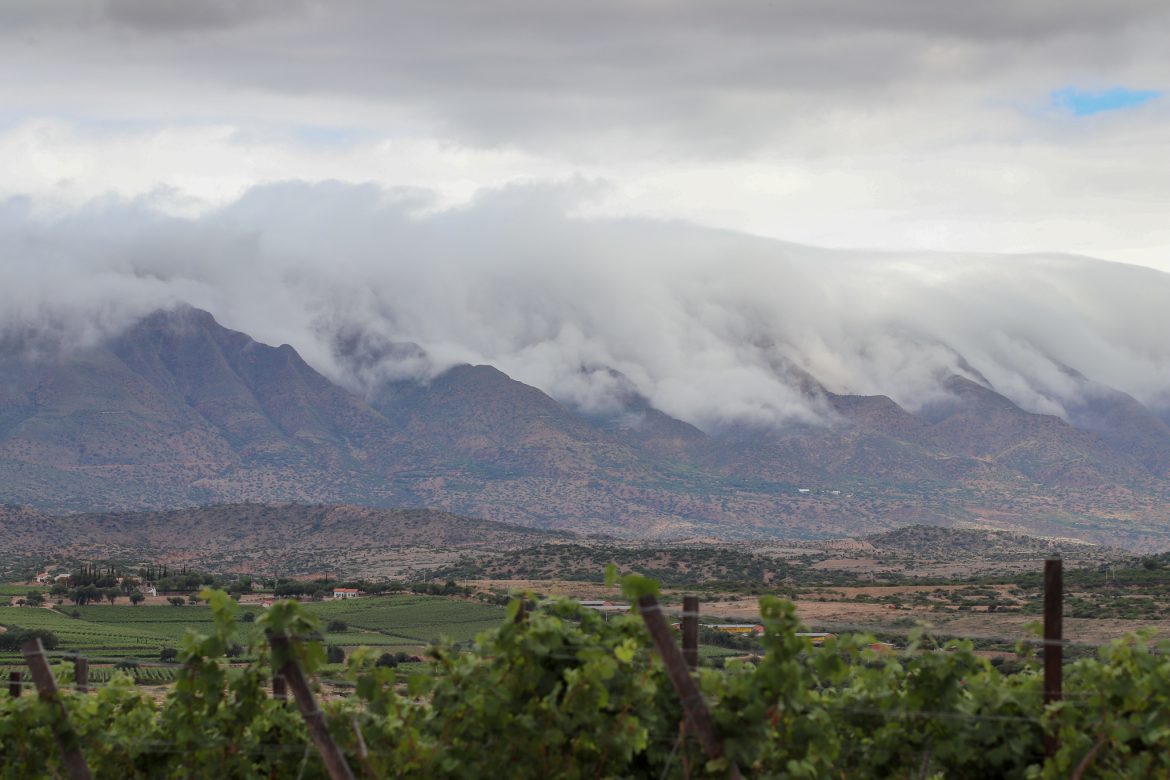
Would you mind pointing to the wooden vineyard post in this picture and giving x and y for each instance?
(81, 674)
(314, 719)
(279, 687)
(690, 631)
(684, 685)
(521, 611)
(690, 649)
(1053, 639)
(38, 666)
(14, 684)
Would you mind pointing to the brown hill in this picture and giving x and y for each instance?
(179, 410)
(982, 424)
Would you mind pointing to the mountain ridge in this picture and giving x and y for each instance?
(179, 411)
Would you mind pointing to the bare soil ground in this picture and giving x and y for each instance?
(833, 609)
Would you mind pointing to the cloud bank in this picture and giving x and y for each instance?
(714, 327)
(905, 123)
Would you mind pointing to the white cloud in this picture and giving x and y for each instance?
(902, 126)
(711, 326)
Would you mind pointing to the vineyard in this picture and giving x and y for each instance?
(89, 636)
(148, 675)
(559, 692)
(410, 620)
(398, 622)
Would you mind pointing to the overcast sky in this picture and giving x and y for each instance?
(564, 189)
(991, 126)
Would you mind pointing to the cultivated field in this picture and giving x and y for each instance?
(110, 634)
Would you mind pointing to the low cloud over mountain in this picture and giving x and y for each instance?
(719, 329)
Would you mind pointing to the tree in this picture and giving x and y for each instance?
(137, 598)
(85, 594)
(111, 594)
(34, 598)
(334, 654)
(177, 601)
(241, 586)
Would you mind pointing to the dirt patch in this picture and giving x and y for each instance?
(568, 588)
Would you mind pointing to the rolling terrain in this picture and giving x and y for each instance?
(261, 539)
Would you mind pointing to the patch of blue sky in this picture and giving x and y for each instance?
(1085, 102)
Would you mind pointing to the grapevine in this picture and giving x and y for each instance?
(562, 693)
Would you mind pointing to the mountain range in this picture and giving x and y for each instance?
(179, 411)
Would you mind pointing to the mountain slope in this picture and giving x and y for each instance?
(180, 411)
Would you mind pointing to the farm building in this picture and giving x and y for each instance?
(739, 628)
(345, 593)
(606, 606)
(753, 629)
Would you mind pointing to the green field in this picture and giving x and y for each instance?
(99, 638)
(20, 591)
(109, 633)
(707, 652)
(146, 675)
(406, 620)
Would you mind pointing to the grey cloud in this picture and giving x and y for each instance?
(714, 327)
(712, 76)
(177, 15)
